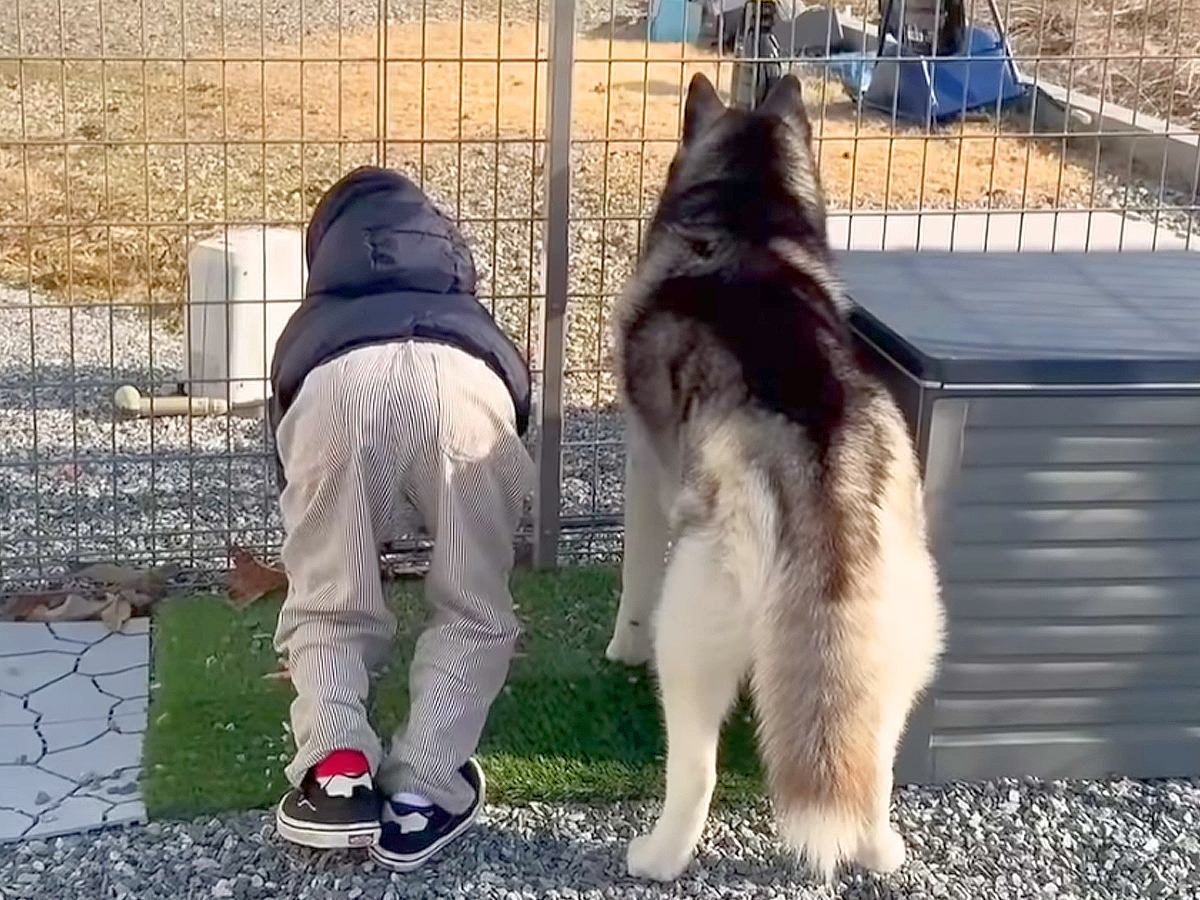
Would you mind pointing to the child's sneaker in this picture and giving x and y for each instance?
(413, 833)
(336, 806)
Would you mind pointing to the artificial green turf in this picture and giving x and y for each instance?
(568, 726)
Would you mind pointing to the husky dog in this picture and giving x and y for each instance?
(784, 478)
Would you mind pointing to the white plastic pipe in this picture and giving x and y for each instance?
(130, 402)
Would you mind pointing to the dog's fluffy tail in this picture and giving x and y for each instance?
(817, 690)
(819, 716)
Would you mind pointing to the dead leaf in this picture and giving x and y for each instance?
(17, 607)
(251, 579)
(117, 612)
(104, 591)
(137, 600)
(74, 608)
(150, 582)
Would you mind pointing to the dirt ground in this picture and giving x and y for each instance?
(1142, 54)
(109, 170)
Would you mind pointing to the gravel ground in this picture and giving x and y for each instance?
(1087, 841)
(78, 483)
(162, 29)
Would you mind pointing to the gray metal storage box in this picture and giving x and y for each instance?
(1055, 401)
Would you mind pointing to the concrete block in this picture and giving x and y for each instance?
(116, 653)
(68, 735)
(22, 675)
(14, 712)
(79, 632)
(119, 787)
(132, 812)
(73, 815)
(133, 707)
(29, 788)
(110, 752)
(13, 824)
(20, 638)
(127, 684)
(70, 699)
(19, 744)
(1153, 144)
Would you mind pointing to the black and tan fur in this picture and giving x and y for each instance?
(784, 480)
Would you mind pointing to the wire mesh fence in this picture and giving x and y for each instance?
(132, 133)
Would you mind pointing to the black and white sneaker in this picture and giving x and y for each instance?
(412, 834)
(331, 810)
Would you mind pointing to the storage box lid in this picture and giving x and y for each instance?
(1031, 318)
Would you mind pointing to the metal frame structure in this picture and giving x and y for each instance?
(129, 131)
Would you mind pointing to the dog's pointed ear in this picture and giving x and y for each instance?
(786, 102)
(703, 107)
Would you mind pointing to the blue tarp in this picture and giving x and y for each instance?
(853, 70)
(927, 88)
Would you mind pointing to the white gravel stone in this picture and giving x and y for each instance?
(1094, 846)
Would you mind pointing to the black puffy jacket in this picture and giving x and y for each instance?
(385, 265)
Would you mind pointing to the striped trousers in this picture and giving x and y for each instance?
(380, 440)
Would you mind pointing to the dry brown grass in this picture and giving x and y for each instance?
(1142, 54)
(107, 173)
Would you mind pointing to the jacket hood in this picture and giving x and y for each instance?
(375, 232)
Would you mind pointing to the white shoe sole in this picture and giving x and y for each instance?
(326, 837)
(397, 863)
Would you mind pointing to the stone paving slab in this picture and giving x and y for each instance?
(73, 708)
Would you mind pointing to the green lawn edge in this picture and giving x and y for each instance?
(568, 726)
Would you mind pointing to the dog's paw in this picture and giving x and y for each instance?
(884, 853)
(630, 646)
(652, 856)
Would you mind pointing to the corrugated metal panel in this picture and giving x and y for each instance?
(1083, 412)
(1131, 750)
(1071, 570)
(1031, 675)
(983, 523)
(1093, 599)
(1084, 637)
(1028, 486)
(1167, 706)
(1084, 560)
(1091, 446)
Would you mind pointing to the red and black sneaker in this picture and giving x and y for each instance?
(336, 806)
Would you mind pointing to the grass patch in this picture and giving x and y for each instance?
(568, 726)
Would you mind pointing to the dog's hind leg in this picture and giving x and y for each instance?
(881, 848)
(701, 652)
(646, 538)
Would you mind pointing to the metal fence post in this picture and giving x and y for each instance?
(381, 84)
(558, 208)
